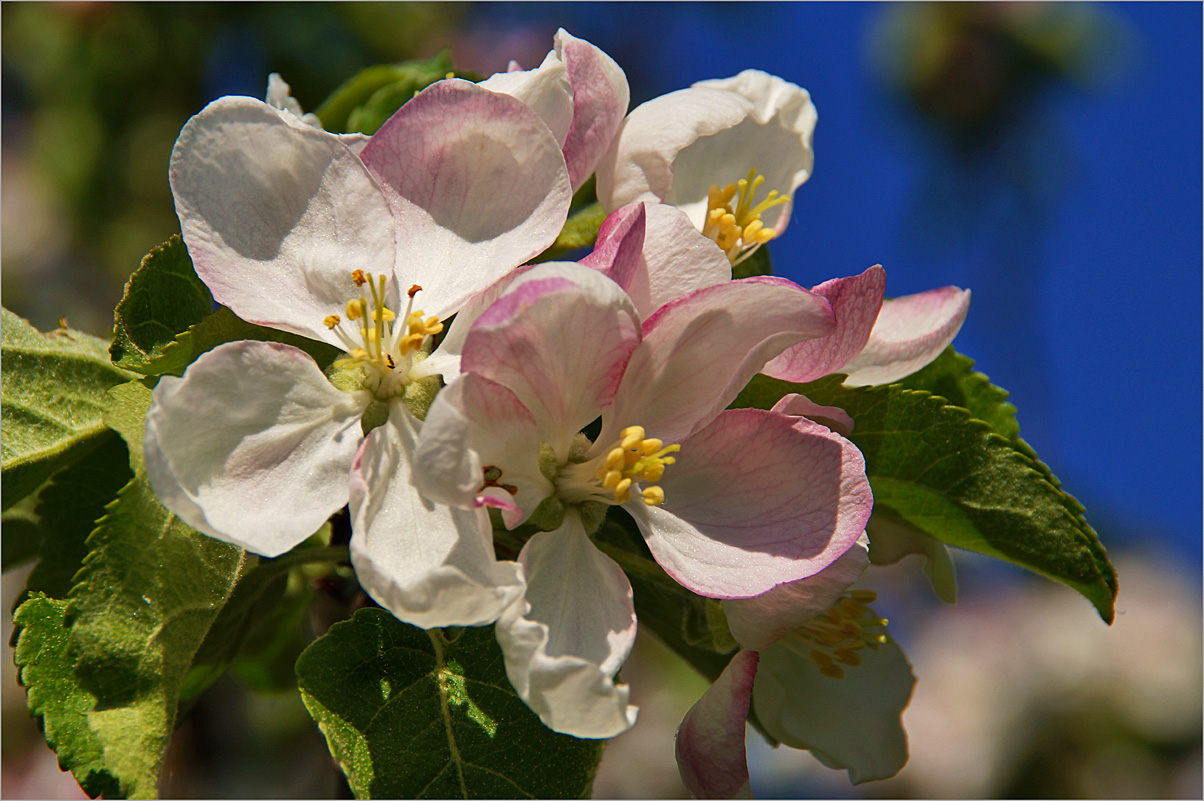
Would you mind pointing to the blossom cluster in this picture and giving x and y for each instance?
(469, 375)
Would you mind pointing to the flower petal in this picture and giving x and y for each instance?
(892, 539)
(833, 417)
(430, 565)
(710, 740)
(478, 186)
(849, 723)
(759, 622)
(756, 499)
(855, 302)
(565, 642)
(600, 97)
(475, 424)
(661, 261)
(545, 89)
(531, 342)
(276, 215)
(699, 351)
(910, 332)
(254, 445)
(447, 356)
(675, 147)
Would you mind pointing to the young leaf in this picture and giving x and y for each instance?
(53, 391)
(934, 467)
(378, 91)
(224, 326)
(163, 298)
(410, 715)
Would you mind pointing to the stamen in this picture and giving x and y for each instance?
(738, 230)
(833, 639)
(331, 320)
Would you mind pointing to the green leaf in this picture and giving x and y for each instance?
(409, 715)
(364, 102)
(147, 594)
(163, 298)
(580, 231)
(53, 391)
(952, 376)
(756, 264)
(936, 468)
(55, 697)
(68, 509)
(224, 326)
(22, 531)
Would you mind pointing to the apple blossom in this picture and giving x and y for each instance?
(292, 229)
(731, 502)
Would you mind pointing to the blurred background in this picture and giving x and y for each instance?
(1046, 156)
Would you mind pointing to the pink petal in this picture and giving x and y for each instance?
(855, 301)
(428, 564)
(710, 739)
(253, 445)
(564, 644)
(618, 250)
(699, 351)
(475, 424)
(600, 97)
(545, 89)
(478, 186)
(833, 417)
(559, 340)
(910, 332)
(756, 499)
(276, 215)
(759, 622)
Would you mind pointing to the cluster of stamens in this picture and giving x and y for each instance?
(834, 638)
(383, 350)
(636, 458)
(738, 229)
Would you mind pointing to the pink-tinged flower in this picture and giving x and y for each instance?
(876, 341)
(730, 153)
(580, 92)
(820, 673)
(291, 229)
(731, 502)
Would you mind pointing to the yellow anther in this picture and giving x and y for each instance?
(656, 471)
(354, 309)
(359, 353)
(413, 290)
(384, 314)
(614, 459)
(612, 479)
(734, 222)
(331, 320)
(632, 436)
(832, 671)
(654, 496)
(864, 596)
(651, 446)
(622, 491)
(845, 657)
(358, 277)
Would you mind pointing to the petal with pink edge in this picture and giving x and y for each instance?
(477, 184)
(428, 564)
(699, 351)
(852, 723)
(253, 445)
(710, 740)
(659, 262)
(910, 332)
(756, 499)
(600, 97)
(545, 89)
(564, 642)
(833, 417)
(277, 215)
(759, 622)
(476, 425)
(559, 340)
(855, 302)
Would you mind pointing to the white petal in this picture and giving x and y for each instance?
(430, 565)
(276, 215)
(759, 622)
(545, 89)
(564, 643)
(849, 723)
(478, 186)
(253, 445)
